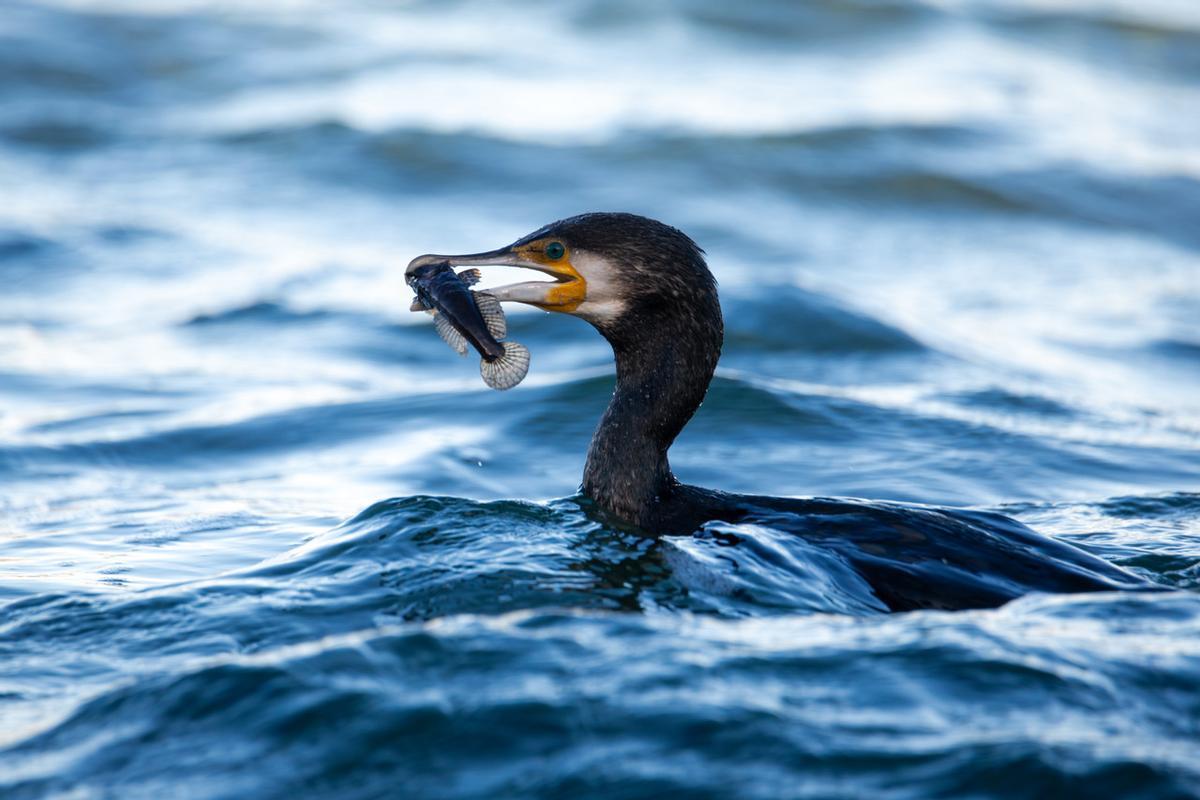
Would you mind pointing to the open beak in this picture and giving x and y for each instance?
(564, 293)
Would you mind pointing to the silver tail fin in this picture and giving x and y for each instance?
(509, 369)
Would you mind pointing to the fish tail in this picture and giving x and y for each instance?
(509, 369)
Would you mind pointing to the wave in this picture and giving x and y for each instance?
(45, 132)
(218, 446)
(1124, 39)
(785, 318)
(200, 369)
(265, 312)
(1183, 350)
(811, 25)
(1149, 533)
(899, 167)
(423, 558)
(1174, 504)
(30, 261)
(790, 435)
(19, 246)
(1009, 401)
(548, 704)
(768, 570)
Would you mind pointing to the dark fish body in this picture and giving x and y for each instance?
(463, 317)
(440, 289)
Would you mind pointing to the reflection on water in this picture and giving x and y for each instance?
(959, 263)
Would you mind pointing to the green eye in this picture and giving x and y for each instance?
(555, 251)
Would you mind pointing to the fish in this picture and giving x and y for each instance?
(462, 316)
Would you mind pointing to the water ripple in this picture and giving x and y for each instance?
(956, 245)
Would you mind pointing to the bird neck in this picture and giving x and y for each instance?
(665, 361)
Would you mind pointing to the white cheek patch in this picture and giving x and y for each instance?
(605, 299)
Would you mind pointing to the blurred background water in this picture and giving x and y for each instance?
(262, 535)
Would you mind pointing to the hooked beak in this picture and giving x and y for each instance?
(564, 293)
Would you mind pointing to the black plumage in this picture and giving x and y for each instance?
(666, 340)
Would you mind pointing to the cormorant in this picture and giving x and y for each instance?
(646, 288)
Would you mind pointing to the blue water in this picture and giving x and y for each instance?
(262, 535)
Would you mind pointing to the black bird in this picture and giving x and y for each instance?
(646, 287)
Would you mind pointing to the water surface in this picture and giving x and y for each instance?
(263, 535)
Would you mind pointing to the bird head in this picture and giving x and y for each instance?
(605, 268)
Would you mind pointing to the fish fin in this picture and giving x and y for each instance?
(492, 313)
(417, 305)
(509, 369)
(470, 277)
(449, 335)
